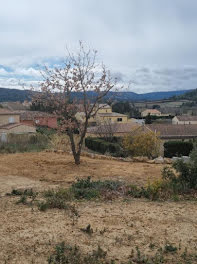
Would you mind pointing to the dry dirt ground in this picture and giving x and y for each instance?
(29, 236)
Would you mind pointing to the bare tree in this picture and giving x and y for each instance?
(106, 129)
(80, 77)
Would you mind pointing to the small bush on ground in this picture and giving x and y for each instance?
(87, 189)
(142, 144)
(177, 181)
(185, 179)
(56, 199)
(19, 192)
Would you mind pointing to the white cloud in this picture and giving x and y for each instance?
(130, 35)
(3, 71)
(31, 72)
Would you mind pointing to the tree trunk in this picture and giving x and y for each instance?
(77, 158)
(77, 150)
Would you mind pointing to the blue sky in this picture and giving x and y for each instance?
(151, 43)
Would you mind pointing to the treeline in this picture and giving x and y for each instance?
(191, 95)
(126, 108)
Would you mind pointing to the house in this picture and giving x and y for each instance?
(184, 120)
(16, 128)
(36, 118)
(9, 117)
(152, 112)
(112, 117)
(113, 129)
(10, 124)
(103, 114)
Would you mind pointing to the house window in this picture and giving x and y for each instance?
(11, 120)
(119, 119)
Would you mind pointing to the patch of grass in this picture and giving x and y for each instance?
(136, 192)
(19, 192)
(87, 189)
(52, 202)
(64, 254)
(169, 248)
(55, 199)
(60, 193)
(23, 200)
(42, 206)
(27, 196)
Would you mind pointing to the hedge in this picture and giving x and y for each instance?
(102, 146)
(177, 148)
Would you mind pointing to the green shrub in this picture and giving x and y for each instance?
(177, 148)
(20, 192)
(186, 178)
(46, 131)
(102, 146)
(52, 202)
(87, 189)
(64, 254)
(153, 191)
(55, 199)
(60, 193)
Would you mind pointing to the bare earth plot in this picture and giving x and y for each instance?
(60, 168)
(29, 236)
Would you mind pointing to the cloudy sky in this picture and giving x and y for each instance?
(153, 43)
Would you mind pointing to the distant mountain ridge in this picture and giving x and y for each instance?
(189, 95)
(12, 95)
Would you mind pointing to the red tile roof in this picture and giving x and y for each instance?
(31, 115)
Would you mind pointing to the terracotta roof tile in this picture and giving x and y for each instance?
(31, 115)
